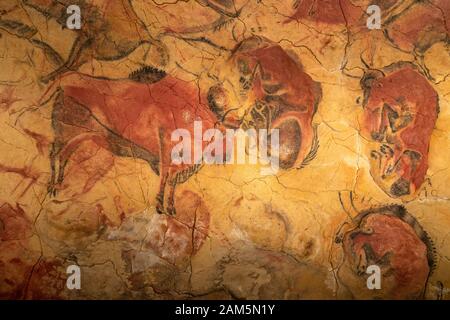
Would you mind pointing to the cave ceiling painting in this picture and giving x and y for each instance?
(118, 151)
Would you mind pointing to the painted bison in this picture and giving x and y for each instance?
(400, 112)
(132, 117)
(264, 87)
(391, 239)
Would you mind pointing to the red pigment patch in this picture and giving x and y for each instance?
(48, 281)
(421, 26)
(24, 274)
(16, 258)
(14, 225)
(331, 12)
(175, 238)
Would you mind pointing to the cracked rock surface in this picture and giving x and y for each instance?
(86, 177)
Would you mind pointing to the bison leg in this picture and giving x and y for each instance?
(163, 173)
(54, 152)
(72, 124)
(160, 196)
(59, 156)
(57, 145)
(170, 201)
(164, 203)
(61, 152)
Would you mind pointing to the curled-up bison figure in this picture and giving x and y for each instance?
(400, 112)
(264, 87)
(392, 240)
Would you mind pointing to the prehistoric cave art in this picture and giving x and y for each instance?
(110, 30)
(422, 24)
(330, 12)
(132, 118)
(400, 113)
(18, 259)
(268, 89)
(390, 238)
(88, 104)
(89, 163)
(351, 14)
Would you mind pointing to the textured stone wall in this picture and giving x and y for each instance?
(85, 123)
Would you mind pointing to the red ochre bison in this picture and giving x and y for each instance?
(266, 88)
(136, 117)
(132, 117)
(400, 112)
(392, 239)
